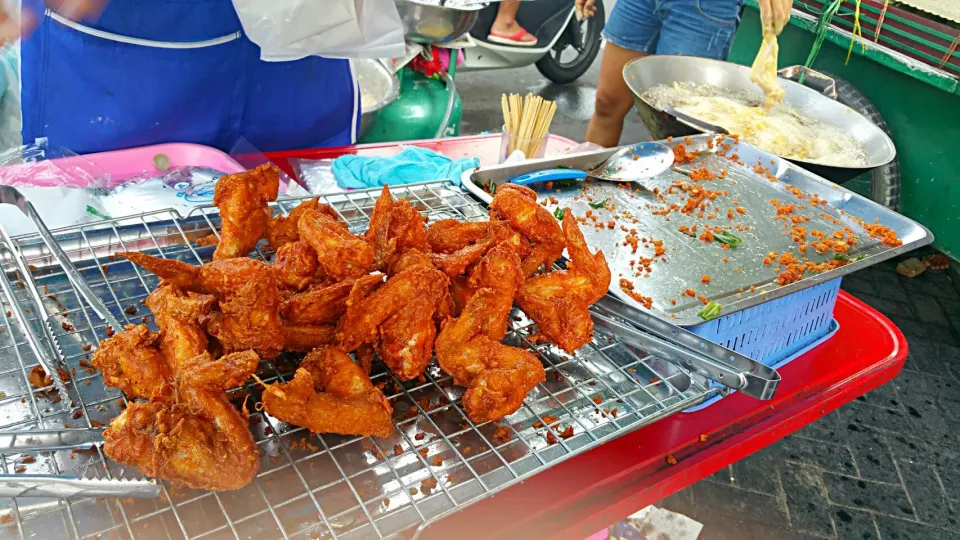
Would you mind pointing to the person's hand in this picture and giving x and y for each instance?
(774, 15)
(585, 8)
(11, 28)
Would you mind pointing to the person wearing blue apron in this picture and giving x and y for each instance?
(157, 71)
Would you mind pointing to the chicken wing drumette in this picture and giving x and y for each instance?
(189, 432)
(242, 199)
(341, 254)
(131, 362)
(559, 301)
(331, 394)
(247, 294)
(518, 206)
(497, 377)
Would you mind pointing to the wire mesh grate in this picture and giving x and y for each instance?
(309, 485)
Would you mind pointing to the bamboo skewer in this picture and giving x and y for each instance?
(526, 122)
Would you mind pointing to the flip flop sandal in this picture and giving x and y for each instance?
(515, 40)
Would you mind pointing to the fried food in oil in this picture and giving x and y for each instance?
(497, 377)
(178, 314)
(190, 433)
(559, 301)
(518, 205)
(307, 337)
(296, 265)
(341, 254)
(331, 394)
(450, 235)
(242, 199)
(249, 300)
(131, 362)
(319, 305)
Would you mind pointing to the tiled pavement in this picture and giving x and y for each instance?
(886, 466)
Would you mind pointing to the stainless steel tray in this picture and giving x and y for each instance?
(742, 282)
(311, 485)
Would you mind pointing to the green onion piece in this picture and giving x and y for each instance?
(565, 183)
(599, 205)
(95, 212)
(559, 213)
(710, 311)
(730, 239)
(842, 257)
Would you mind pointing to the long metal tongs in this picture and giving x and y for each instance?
(57, 486)
(674, 344)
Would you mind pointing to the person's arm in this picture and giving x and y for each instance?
(12, 28)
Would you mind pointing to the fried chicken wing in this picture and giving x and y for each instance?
(456, 263)
(282, 230)
(319, 305)
(249, 306)
(395, 228)
(190, 433)
(365, 313)
(451, 235)
(497, 377)
(242, 199)
(131, 362)
(518, 205)
(331, 394)
(249, 299)
(179, 314)
(559, 301)
(307, 337)
(340, 253)
(296, 265)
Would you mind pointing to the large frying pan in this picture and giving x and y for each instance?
(644, 73)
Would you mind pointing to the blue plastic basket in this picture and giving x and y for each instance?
(777, 331)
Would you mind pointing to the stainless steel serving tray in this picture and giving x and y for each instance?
(742, 282)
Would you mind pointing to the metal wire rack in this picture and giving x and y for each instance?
(309, 486)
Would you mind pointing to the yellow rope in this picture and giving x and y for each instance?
(857, 32)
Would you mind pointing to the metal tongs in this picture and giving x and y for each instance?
(674, 344)
(65, 487)
(62, 486)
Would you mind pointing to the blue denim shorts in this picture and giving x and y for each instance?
(702, 28)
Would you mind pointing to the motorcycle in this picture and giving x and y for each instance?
(565, 48)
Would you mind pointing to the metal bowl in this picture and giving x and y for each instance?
(380, 87)
(424, 22)
(645, 73)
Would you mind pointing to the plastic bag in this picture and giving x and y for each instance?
(55, 181)
(181, 189)
(293, 29)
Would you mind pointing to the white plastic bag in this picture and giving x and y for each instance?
(293, 29)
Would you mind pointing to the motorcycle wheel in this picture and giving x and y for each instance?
(562, 67)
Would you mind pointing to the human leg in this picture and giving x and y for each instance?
(505, 28)
(631, 32)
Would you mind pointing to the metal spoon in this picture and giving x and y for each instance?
(641, 163)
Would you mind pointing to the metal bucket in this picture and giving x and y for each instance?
(426, 23)
(645, 73)
(379, 85)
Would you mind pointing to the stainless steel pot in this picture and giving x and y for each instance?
(424, 22)
(645, 73)
(381, 88)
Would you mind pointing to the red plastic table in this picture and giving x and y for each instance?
(589, 492)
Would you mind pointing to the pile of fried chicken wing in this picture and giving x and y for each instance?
(402, 292)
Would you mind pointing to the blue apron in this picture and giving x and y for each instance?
(156, 71)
